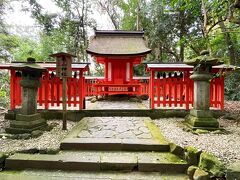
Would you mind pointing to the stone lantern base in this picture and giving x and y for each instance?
(201, 119)
(26, 124)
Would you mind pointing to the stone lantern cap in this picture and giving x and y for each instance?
(30, 65)
(205, 59)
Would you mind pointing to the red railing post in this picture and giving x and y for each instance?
(222, 93)
(46, 90)
(81, 90)
(187, 86)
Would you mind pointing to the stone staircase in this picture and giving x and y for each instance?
(104, 155)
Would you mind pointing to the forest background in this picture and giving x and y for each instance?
(175, 30)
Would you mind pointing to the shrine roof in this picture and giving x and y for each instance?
(115, 43)
(48, 65)
(181, 66)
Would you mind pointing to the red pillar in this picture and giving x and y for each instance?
(12, 90)
(46, 86)
(187, 79)
(222, 92)
(81, 89)
(151, 91)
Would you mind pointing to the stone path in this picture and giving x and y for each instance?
(83, 175)
(114, 127)
(115, 105)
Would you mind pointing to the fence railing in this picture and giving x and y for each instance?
(168, 91)
(50, 91)
(176, 91)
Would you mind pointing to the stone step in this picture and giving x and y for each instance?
(110, 144)
(99, 161)
(86, 175)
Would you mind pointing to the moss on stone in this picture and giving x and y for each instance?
(3, 156)
(177, 150)
(201, 131)
(190, 171)
(200, 174)
(210, 163)
(192, 155)
(155, 131)
(233, 171)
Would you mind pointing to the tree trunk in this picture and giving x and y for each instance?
(230, 45)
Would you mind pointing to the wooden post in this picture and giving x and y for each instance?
(64, 70)
(64, 102)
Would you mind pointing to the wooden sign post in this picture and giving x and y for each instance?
(63, 70)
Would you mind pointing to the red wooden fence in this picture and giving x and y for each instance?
(50, 91)
(168, 91)
(177, 92)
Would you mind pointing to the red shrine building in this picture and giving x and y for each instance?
(169, 85)
(118, 51)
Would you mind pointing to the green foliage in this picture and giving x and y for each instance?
(4, 89)
(27, 48)
(232, 86)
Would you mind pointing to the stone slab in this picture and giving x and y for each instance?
(54, 162)
(233, 171)
(26, 124)
(13, 130)
(113, 144)
(91, 144)
(99, 160)
(164, 162)
(144, 145)
(121, 162)
(31, 117)
(74, 175)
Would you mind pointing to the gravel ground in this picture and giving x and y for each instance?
(48, 140)
(225, 146)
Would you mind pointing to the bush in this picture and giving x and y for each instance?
(232, 86)
(4, 89)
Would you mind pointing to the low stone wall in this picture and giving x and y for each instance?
(153, 114)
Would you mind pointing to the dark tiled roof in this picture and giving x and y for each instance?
(118, 43)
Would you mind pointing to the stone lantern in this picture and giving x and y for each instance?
(28, 119)
(200, 116)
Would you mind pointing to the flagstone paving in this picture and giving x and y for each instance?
(114, 127)
(116, 105)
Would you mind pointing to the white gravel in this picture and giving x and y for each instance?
(48, 140)
(225, 146)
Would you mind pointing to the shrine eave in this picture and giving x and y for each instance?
(49, 66)
(118, 43)
(118, 55)
(181, 67)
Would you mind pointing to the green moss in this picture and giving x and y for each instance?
(191, 170)
(201, 131)
(177, 150)
(210, 163)
(199, 174)
(192, 155)
(155, 131)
